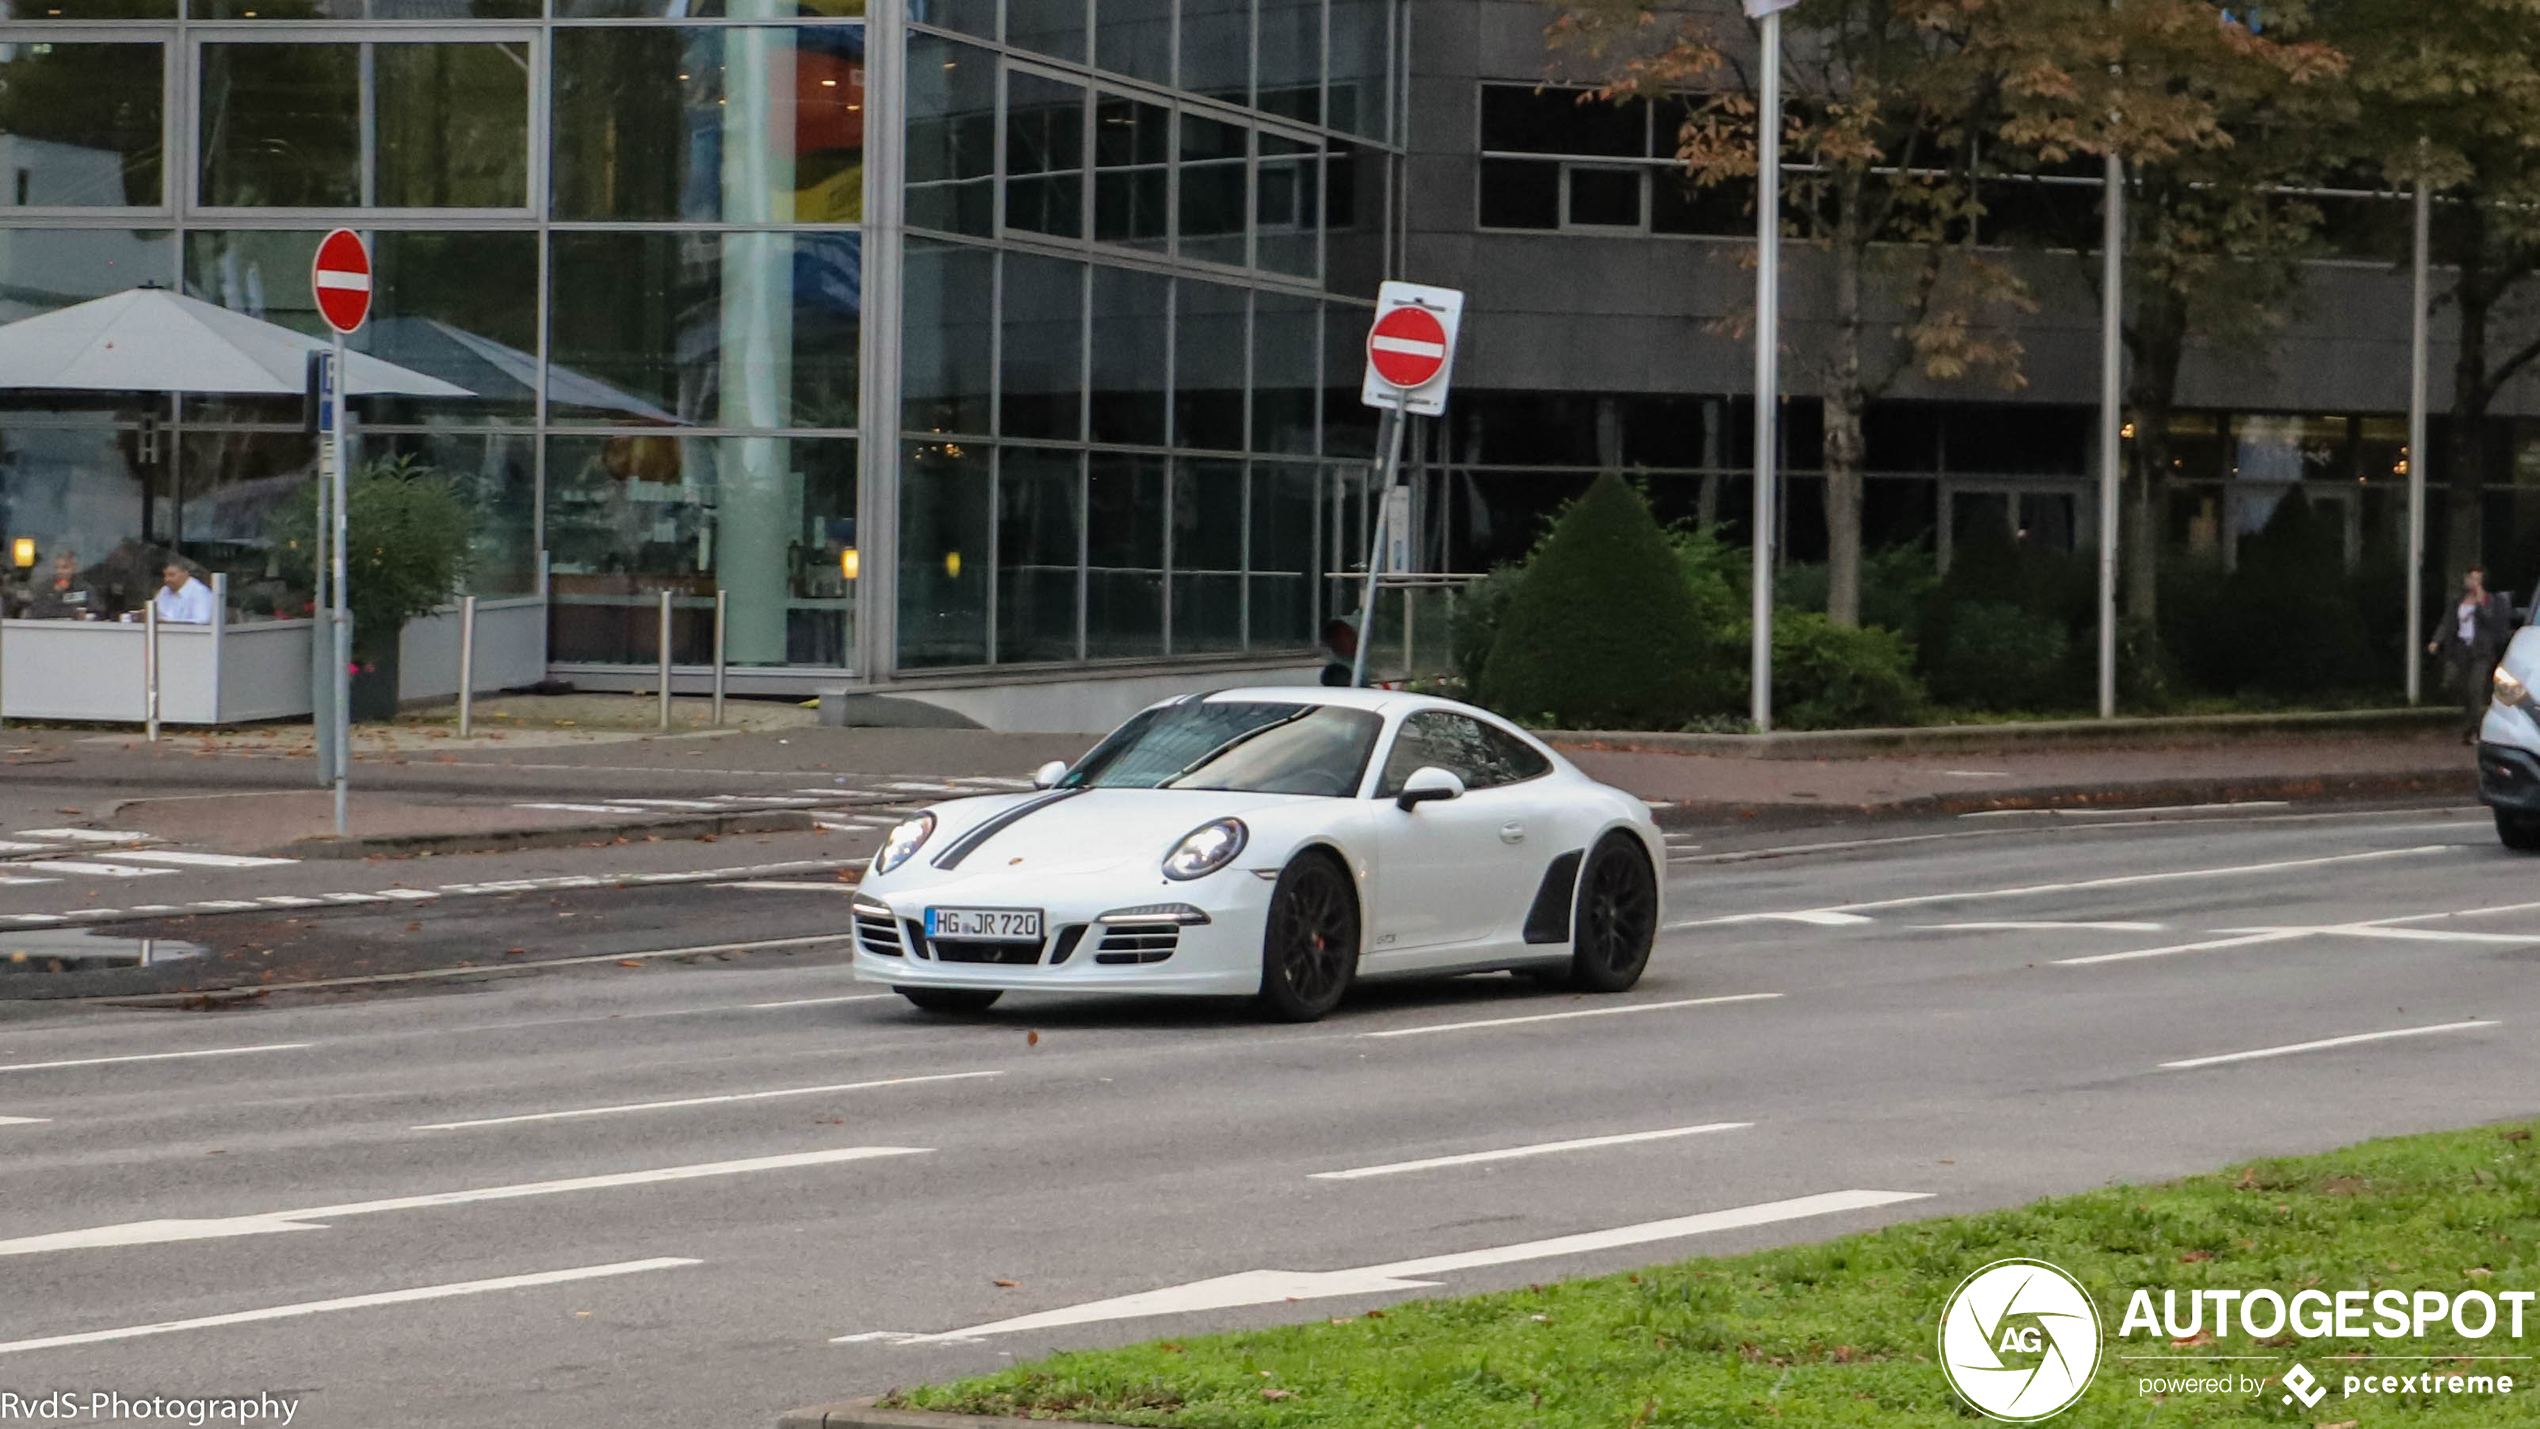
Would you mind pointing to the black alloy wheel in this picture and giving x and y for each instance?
(950, 999)
(1309, 951)
(1617, 918)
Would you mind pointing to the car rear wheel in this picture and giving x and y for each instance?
(1309, 950)
(1617, 917)
(950, 999)
(2519, 832)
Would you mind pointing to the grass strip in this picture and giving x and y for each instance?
(1843, 1332)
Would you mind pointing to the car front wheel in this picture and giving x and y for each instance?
(950, 999)
(2519, 832)
(1617, 917)
(1309, 950)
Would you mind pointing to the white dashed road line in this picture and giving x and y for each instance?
(2292, 1047)
(1564, 1016)
(722, 1100)
(1547, 1148)
(156, 1056)
(2174, 949)
(187, 858)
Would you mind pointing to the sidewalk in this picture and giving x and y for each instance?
(589, 767)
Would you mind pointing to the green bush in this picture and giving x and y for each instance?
(1479, 609)
(405, 545)
(2290, 620)
(1604, 631)
(1827, 676)
(1996, 656)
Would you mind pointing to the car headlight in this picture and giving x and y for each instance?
(1206, 849)
(905, 840)
(2509, 690)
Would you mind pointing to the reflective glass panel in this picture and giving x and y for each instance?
(1135, 38)
(1349, 426)
(80, 126)
(1044, 154)
(1361, 98)
(1208, 555)
(282, 126)
(696, 9)
(768, 520)
(945, 347)
(700, 329)
(1124, 556)
(1130, 345)
(450, 126)
(214, 506)
(46, 268)
(1291, 78)
(739, 125)
(1282, 555)
(970, 17)
(1208, 367)
(1041, 378)
(1284, 338)
(495, 474)
(1217, 49)
(1289, 196)
(74, 476)
(80, 10)
(364, 9)
(1212, 204)
(1040, 530)
(952, 136)
(944, 554)
(458, 306)
(1049, 27)
(1133, 151)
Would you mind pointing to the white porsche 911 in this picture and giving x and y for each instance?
(1278, 843)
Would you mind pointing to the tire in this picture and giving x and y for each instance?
(1309, 945)
(1616, 920)
(2519, 832)
(950, 999)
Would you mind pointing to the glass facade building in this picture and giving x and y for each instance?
(980, 333)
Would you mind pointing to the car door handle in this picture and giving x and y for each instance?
(1512, 832)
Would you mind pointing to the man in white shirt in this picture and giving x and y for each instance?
(183, 600)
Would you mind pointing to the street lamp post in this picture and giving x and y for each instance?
(2417, 363)
(1768, 285)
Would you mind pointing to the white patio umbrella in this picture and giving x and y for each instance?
(154, 340)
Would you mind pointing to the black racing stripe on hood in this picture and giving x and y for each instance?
(996, 824)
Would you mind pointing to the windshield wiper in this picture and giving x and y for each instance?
(1221, 751)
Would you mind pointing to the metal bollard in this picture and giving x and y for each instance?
(664, 645)
(467, 665)
(4, 657)
(720, 609)
(150, 669)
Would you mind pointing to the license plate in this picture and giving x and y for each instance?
(1001, 925)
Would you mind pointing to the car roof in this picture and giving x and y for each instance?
(1345, 696)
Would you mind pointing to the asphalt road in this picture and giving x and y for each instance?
(700, 1190)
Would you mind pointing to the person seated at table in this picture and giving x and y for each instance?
(183, 600)
(64, 595)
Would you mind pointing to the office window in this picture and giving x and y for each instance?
(80, 126)
(1557, 158)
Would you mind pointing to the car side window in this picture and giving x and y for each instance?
(1484, 758)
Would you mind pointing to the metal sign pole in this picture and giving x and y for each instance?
(341, 613)
(2417, 364)
(467, 665)
(2111, 418)
(321, 645)
(150, 668)
(722, 610)
(1768, 285)
(663, 647)
(1400, 417)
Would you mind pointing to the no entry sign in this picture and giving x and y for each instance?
(340, 277)
(1411, 348)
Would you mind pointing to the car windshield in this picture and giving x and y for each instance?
(1242, 746)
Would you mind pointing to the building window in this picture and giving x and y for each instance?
(1562, 160)
(423, 125)
(80, 125)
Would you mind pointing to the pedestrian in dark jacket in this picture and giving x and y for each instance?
(2469, 638)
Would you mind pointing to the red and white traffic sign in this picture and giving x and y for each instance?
(340, 277)
(1411, 348)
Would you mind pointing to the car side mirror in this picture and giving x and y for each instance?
(1048, 775)
(1427, 785)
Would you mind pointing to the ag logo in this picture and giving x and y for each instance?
(2019, 1340)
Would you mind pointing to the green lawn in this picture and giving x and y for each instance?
(1842, 1333)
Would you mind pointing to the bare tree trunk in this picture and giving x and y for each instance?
(2160, 342)
(1847, 447)
(2465, 453)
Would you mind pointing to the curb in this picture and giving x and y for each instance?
(679, 826)
(2140, 732)
(861, 1414)
(2153, 794)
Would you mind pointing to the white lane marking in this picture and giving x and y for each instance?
(1583, 1012)
(157, 1056)
(644, 805)
(286, 900)
(29, 917)
(354, 1302)
(1271, 1287)
(573, 808)
(100, 870)
(8, 882)
(2123, 880)
(1821, 917)
(163, 1232)
(819, 1001)
(2129, 811)
(2402, 935)
(8, 847)
(921, 787)
(700, 1101)
(2009, 925)
(2247, 940)
(2292, 1047)
(189, 859)
(1545, 1148)
(1977, 773)
(23, 1120)
(513, 965)
(769, 885)
(90, 836)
